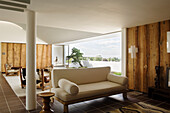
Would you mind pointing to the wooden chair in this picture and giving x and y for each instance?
(46, 78)
(9, 70)
(23, 78)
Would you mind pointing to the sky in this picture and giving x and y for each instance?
(106, 46)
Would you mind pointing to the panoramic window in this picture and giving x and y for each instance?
(99, 52)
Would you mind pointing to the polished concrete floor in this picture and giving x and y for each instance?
(10, 103)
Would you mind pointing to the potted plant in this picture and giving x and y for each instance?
(76, 55)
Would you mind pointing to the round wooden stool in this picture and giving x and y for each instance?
(46, 102)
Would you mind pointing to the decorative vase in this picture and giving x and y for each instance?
(56, 59)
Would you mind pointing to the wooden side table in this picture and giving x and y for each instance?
(46, 102)
(158, 93)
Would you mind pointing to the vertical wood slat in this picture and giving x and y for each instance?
(153, 54)
(3, 56)
(49, 55)
(47, 63)
(44, 56)
(129, 66)
(39, 52)
(23, 55)
(142, 56)
(131, 40)
(129, 61)
(10, 55)
(17, 55)
(135, 60)
(164, 56)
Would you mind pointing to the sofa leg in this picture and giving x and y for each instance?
(125, 95)
(65, 108)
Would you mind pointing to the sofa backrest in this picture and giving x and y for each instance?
(80, 76)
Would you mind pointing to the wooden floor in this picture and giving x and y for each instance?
(10, 103)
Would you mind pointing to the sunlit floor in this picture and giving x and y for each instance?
(10, 103)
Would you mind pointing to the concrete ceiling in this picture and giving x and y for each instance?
(93, 16)
(58, 35)
(52, 35)
(10, 32)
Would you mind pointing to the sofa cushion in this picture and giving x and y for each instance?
(87, 90)
(81, 76)
(68, 86)
(117, 79)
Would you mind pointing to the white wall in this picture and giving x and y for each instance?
(57, 51)
(10, 32)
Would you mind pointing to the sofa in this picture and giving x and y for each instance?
(77, 85)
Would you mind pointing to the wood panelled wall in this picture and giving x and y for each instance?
(151, 42)
(15, 54)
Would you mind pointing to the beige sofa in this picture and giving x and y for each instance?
(91, 82)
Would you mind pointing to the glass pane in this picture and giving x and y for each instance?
(100, 52)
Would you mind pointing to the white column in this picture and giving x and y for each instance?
(64, 60)
(31, 61)
(123, 52)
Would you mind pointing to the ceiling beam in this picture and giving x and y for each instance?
(25, 2)
(22, 1)
(13, 4)
(11, 8)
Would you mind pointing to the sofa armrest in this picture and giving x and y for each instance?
(117, 79)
